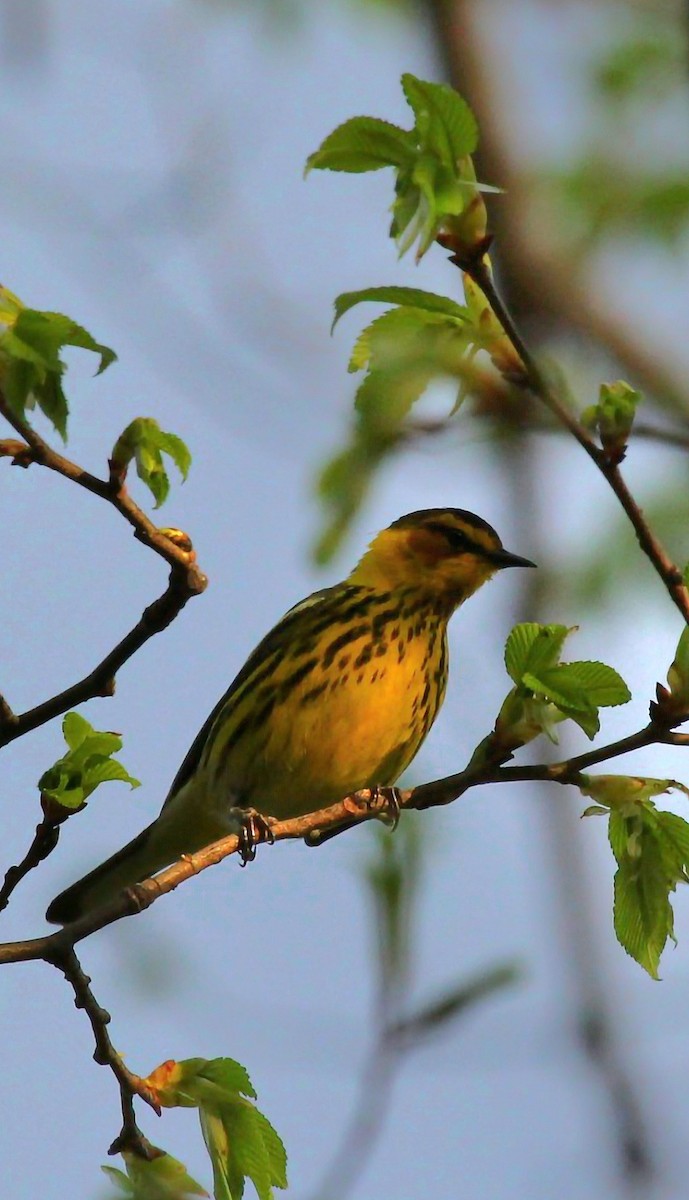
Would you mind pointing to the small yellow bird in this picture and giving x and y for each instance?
(338, 696)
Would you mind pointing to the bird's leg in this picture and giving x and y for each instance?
(388, 800)
(254, 828)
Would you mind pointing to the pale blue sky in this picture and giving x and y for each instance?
(151, 163)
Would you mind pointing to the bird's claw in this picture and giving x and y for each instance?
(383, 801)
(389, 800)
(254, 828)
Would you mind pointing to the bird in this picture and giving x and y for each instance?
(337, 697)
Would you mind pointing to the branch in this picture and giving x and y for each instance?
(44, 842)
(130, 1136)
(113, 490)
(475, 267)
(101, 680)
(57, 949)
(366, 804)
(186, 579)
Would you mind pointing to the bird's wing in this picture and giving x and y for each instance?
(279, 635)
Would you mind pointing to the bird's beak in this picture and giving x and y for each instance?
(503, 558)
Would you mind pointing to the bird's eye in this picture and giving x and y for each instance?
(456, 538)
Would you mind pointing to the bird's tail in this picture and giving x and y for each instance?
(141, 857)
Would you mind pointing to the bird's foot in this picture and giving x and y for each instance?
(384, 801)
(254, 828)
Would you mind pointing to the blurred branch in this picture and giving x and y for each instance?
(543, 284)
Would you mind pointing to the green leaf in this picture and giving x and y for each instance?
(75, 729)
(70, 781)
(557, 686)
(580, 685)
(46, 333)
(161, 1178)
(435, 182)
(532, 647)
(445, 124)
(604, 687)
(240, 1140)
(363, 144)
(31, 365)
(229, 1075)
(652, 852)
(406, 296)
(678, 673)
(642, 912)
(676, 830)
(613, 416)
(144, 441)
(242, 1145)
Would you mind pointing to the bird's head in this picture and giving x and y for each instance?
(446, 552)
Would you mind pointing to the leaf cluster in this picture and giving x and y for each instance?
(145, 442)
(651, 849)
(241, 1142)
(31, 365)
(548, 691)
(435, 185)
(67, 784)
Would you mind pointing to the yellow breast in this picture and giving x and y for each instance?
(347, 708)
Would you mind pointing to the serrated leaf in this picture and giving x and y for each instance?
(144, 441)
(404, 296)
(107, 771)
(88, 762)
(531, 647)
(604, 687)
(363, 144)
(642, 912)
(588, 722)
(229, 1075)
(560, 687)
(48, 332)
(676, 829)
(228, 1182)
(444, 122)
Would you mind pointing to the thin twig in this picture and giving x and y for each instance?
(101, 680)
(186, 580)
(112, 490)
(44, 842)
(130, 1085)
(476, 268)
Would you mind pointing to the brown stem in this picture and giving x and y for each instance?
(476, 268)
(186, 580)
(370, 803)
(44, 842)
(130, 1136)
(101, 680)
(112, 490)
(7, 717)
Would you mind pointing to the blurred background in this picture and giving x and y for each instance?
(151, 186)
